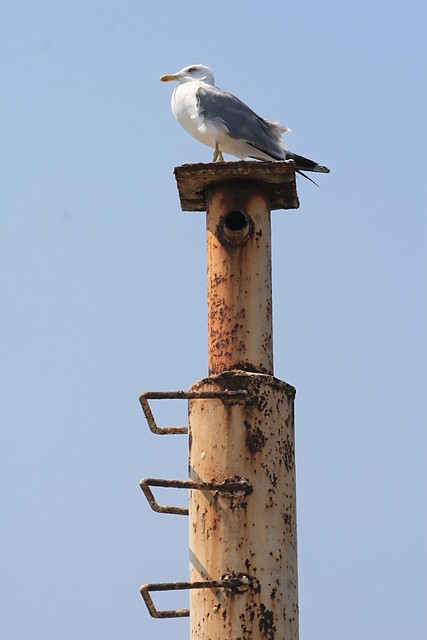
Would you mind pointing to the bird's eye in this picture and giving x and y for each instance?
(191, 70)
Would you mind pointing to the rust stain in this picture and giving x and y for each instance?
(272, 476)
(255, 439)
(287, 519)
(288, 455)
(266, 622)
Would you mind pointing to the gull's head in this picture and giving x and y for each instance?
(198, 72)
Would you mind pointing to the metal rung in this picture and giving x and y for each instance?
(182, 395)
(232, 583)
(233, 485)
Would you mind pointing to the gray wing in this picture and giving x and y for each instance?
(242, 123)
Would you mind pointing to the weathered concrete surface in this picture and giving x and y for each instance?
(278, 179)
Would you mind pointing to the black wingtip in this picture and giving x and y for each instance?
(306, 177)
(305, 164)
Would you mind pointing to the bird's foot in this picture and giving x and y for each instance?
(217, 156)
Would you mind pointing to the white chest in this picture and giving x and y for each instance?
(185, 108)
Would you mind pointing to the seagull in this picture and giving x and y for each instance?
(219, 120)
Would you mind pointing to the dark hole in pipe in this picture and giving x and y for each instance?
(236, 221)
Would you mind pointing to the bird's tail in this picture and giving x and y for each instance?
(304, 164)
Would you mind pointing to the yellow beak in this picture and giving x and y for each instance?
(168, 77)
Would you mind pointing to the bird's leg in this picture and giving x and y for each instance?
(217, 156)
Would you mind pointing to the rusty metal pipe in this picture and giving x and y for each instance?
(177, 395)
(236, 585)
(254, 439)
(240, 325)
(235, 485)
(239, 535)
(255, 534)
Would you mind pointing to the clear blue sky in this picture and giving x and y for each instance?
(103, 296)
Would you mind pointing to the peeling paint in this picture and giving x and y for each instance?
(266, 622)
(255, 439)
